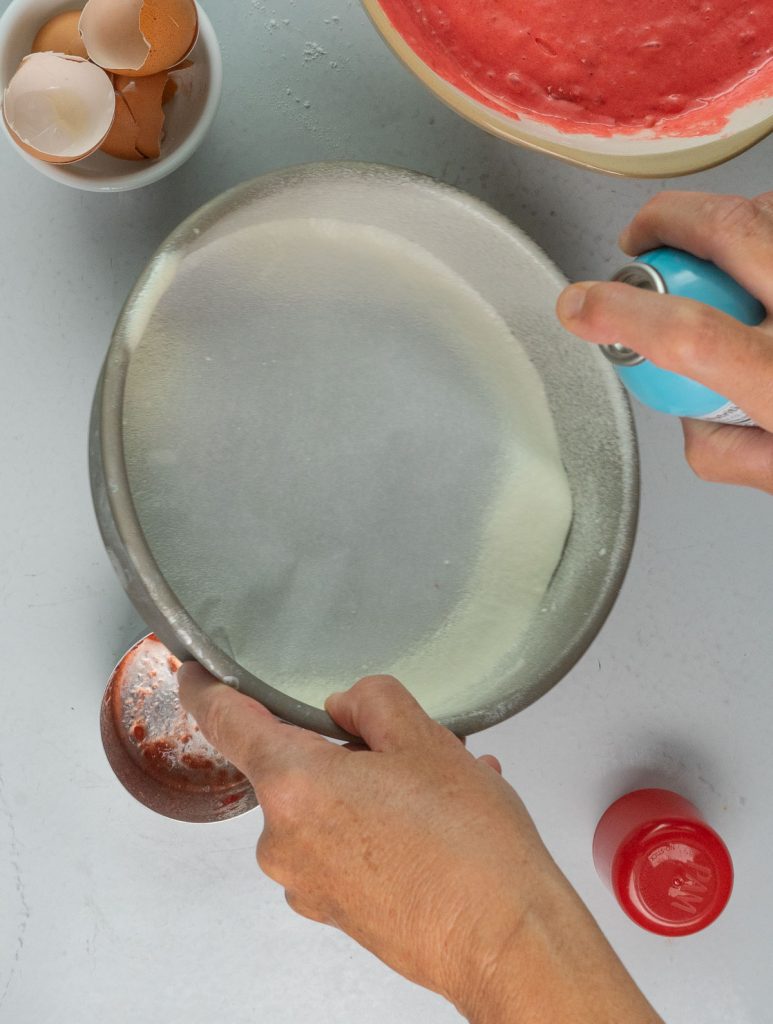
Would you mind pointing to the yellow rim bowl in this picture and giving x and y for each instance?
(624, 155)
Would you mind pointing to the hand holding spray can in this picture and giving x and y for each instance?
(673, 272)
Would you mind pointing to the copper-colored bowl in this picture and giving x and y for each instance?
(631, 156)
(157, 751)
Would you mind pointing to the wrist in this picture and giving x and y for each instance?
(550, 962)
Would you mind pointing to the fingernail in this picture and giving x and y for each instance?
(193, 673)
(571, 302)
(185, 669)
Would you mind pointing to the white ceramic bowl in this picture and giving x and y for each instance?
(188, 115)
(643, 155)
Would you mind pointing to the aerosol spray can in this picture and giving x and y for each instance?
(673, 272)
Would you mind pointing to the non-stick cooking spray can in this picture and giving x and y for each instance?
(673, 272)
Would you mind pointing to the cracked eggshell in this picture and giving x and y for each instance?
(178, 81)
(59, 108)
(170, 91)
(60, 35)
(139, 118)
(139, 37)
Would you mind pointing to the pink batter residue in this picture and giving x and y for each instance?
(678, 67)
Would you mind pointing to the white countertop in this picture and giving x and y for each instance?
(110, 913)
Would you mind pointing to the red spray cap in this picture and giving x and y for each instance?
(670, 871)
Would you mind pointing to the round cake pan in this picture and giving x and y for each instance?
(487, 255)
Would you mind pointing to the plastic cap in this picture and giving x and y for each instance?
(674, 878)
(668, 869)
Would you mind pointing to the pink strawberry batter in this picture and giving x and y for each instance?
(680, 66)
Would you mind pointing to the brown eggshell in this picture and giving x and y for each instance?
(48, 71)
(61, 35)
(47, 158)
(177, 79)
(121, 141)
(170, 89)
(139, 118)
(171, 27)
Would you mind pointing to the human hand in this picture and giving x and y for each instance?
(419, 851)
(694, 339)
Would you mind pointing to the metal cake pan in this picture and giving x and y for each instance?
(591, 413)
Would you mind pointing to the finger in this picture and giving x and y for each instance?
(243, 730)
(382, 712)
(678, 334)
(731, 231)
(729, 455)
(492, 762)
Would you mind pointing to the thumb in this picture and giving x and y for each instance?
(729, 455)
(242, 729)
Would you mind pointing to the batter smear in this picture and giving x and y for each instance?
(677, 66)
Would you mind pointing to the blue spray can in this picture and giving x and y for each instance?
(673, 272)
